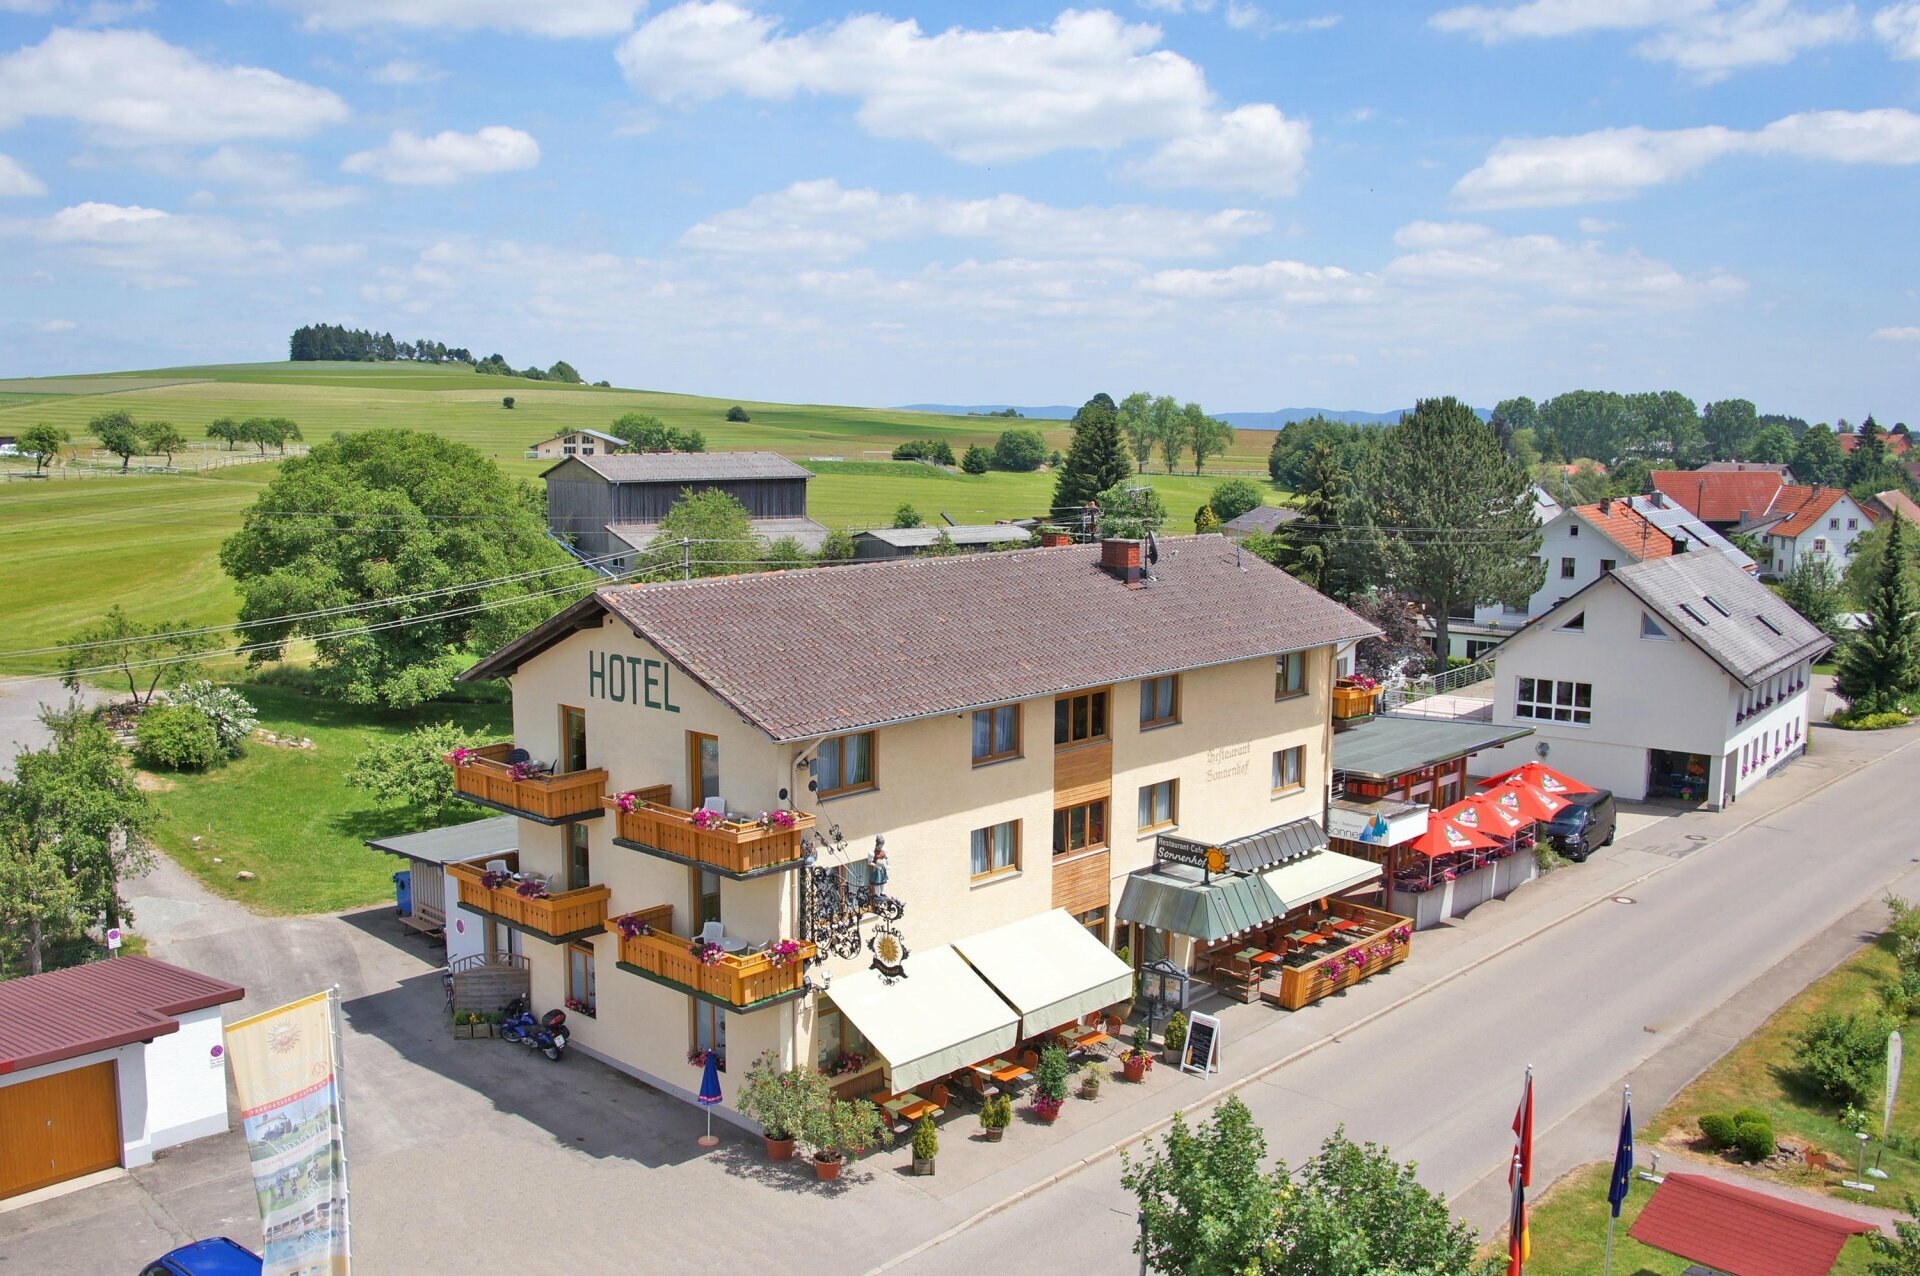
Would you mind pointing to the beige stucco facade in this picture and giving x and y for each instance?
(926, 800)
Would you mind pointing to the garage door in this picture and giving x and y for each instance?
(58, 1128)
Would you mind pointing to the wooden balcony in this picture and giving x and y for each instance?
(558, 918)
(738, 981)
(1354, 702)
(550, 799)
(739, 850)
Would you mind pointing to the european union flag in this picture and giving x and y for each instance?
(1623, 1156)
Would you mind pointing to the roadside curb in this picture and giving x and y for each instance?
(1215, 1096)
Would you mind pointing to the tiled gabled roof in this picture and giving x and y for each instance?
(1719, 496)
(1620, 523)
(1798, 509)
(1740, 624)
(808, 653)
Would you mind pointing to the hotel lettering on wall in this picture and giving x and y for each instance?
(630, 680)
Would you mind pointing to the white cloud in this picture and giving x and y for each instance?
(16, 181)
(1763, 33)
(1620, 163)
(274, 179)
(403, 71)
(1594, 226)
(1704, 37)
(58, 325)
(105, 13)
(131, 88)
(1896, 334)
(1089, 81)
(826, 220)
(1242, 16)
(1254, 148)
(1465, 255)
(539, 17)
(152, 247)
(411, 160)
(26, 6)
(1898, 27)
(1290, 282)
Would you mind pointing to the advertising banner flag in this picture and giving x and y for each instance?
(1894, 1052)
(286, 1069)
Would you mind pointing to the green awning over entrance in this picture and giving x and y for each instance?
(1176, 898)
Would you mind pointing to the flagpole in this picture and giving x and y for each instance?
(1613, 1212)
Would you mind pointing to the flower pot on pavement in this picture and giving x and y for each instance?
(826, 1171)
(1134, 1067)
(922, 1169)
(779, 1149)
(993, 1133)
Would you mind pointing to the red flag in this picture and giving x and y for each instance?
(1523, 1133)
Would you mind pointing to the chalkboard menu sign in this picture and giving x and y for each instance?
(1202, 1053)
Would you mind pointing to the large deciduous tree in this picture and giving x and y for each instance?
(72, 825)
(1206, 1198)
(1664, 425)
(1730, 426)
(385, 517)
(1880, 663)
(1352, 1210)
(1817, 457)
(1233, 498)
(1205, 435)
(1136, 425)
(225, 429)
(42, 442)
(147, 656)
(1455, 513)
(1097, 459)
(409, 773)
(1510, 417)
(1584, 423)
(705, 534)
(1019, 450)
(1813, 589)
(118, 434)
(162, 438)
(1771, 445)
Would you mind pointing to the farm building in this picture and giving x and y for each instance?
(104, 1065)
(581, 442)
(905, 542)
(614, 504)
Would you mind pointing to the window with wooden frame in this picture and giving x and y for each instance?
(1080, 718)
(836, 1039)
(996, 734)
(1095, 922)
(845, 764)
(1290, 769)
(1080, 828)
(1290, 675)
(573, 739)
(579, 857)
(995, 850)
(1159, 805)
(710, 1030)
(581, 994)
(1159, 701)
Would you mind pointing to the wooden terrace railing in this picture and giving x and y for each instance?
(555, 916)
(485, 778)
(740, 849)
(1303, 985)
(741, 980)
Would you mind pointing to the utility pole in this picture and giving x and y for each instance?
(686, 559)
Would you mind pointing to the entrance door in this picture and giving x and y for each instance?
(58, 1128)
(703, 768)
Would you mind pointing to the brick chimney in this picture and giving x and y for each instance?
(1054, 538)
(1121, 559)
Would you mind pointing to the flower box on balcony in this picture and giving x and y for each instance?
(485, 776)
(739, 981)
(1353, 702)
(561, 916)
(734, 848)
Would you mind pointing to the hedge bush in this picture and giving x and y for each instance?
(1841, 1056)
(1754, 1139)
(1717, 1127)
(1849, 721)
(177, 737)
(232, 715)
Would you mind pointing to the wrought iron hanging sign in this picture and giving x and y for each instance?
(833, 908)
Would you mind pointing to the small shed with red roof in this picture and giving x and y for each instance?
(1741, 1231)
(105, 1064)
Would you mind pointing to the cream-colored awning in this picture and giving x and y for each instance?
(1314, 876)
(1050, 968)
(940, 1018)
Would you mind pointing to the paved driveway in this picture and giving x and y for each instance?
(20, 704)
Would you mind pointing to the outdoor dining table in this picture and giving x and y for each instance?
(1308, 937)
(910, 1107)
(1346, 924)
(1003, 1071)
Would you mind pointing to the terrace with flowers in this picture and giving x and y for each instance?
(734, 845)
(714, 967)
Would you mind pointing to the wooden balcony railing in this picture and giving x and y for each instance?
(564, 915)
(741, 981)
(1379, 948)
(484, 778)
(1353, 702)
(738, 849)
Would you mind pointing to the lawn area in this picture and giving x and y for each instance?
(866, 494)
(1569, 1230)
(1758, 1073)
(287, 815)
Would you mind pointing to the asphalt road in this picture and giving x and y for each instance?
(20, 704)
(1586, 1003)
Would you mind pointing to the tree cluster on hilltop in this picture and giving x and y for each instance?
(331, 342)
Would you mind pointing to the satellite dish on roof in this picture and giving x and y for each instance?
(1153, 547)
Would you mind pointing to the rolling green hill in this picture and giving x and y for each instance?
(75, 547)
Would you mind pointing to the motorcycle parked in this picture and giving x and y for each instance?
(547, 1034)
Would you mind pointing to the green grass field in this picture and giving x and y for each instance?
(287, 815)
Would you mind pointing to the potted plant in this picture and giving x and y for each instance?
(1135, 1062)
(1090, 1078)
(839, 1128)
(778, 1099)
(1050, 1084)
(1174, 1039)
(996, 1114)
(926, 1144)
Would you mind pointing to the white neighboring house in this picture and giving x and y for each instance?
(1681, 677)
(104, 1065)
(575, 443)
(1819, 522)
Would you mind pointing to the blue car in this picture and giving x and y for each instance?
(217, 1256)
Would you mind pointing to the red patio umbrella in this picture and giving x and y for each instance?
(1481, 814)
(1443, 837)
(1540, 776)
(1525, 801)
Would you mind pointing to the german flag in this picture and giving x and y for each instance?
(1519, 1246)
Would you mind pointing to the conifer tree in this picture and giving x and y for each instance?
(1098, 458)
(1880, 664)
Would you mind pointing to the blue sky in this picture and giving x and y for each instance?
(1250, 203)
